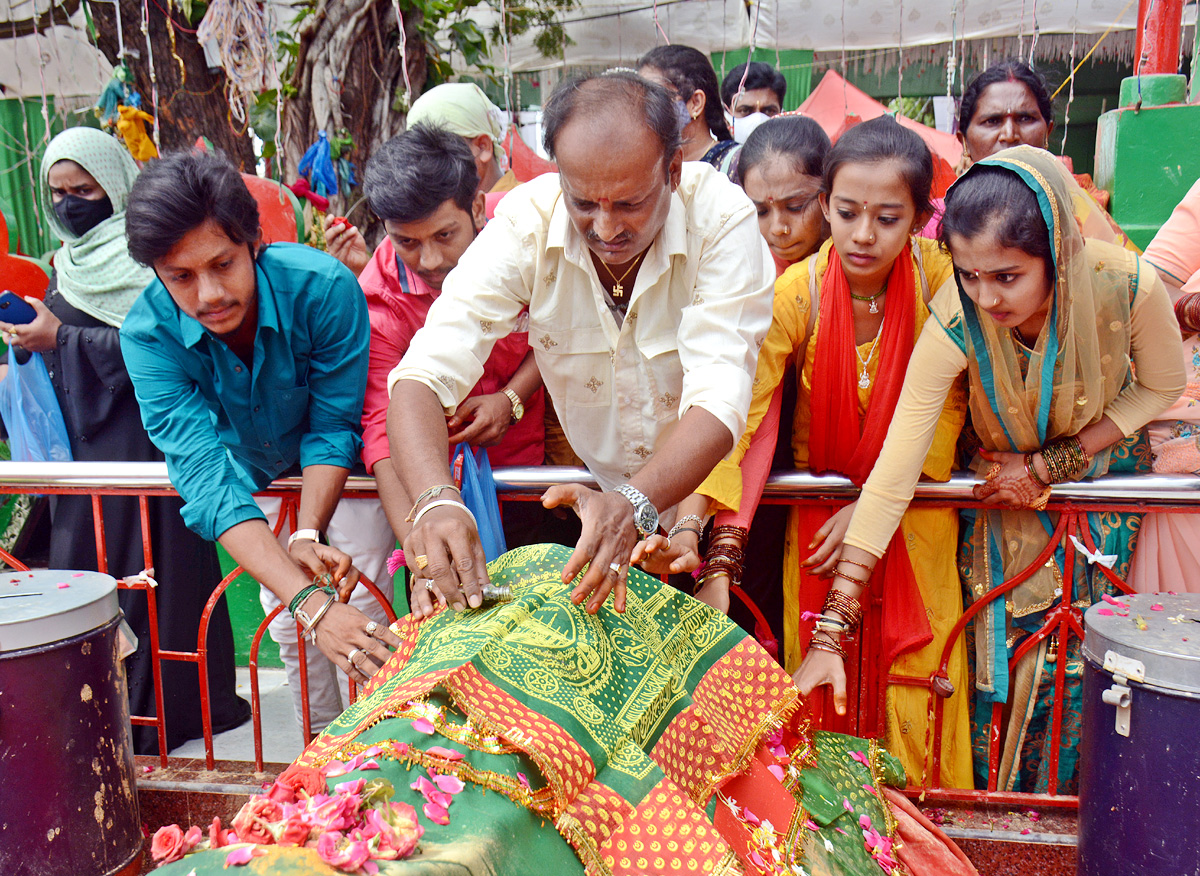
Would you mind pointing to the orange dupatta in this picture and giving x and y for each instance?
(837, 443)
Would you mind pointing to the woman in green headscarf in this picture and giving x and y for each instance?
(86, 177)
(1061, 339)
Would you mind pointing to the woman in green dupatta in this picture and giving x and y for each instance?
(1061, 338)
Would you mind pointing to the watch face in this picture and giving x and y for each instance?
(646, 519)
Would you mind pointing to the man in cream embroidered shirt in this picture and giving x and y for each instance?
(697, 312)
(648, 289)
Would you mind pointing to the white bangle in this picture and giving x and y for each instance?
(309, 534)
(443, 503)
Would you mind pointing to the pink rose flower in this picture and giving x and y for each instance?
(340, 852)
(251, 822)
(168, 844)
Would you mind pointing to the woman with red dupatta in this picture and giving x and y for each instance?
(846, 319)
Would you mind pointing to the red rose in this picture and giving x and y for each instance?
(281, 793)
(168, 844)
(216, 839)
(251, 822)
(295, 832)
(305, 779)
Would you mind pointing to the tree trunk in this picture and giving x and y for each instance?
(191, 102)
(349, 76)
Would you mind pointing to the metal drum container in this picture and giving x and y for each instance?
(68, 793)
(1139, 768)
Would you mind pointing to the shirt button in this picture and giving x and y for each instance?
(238, 369)
(51, 373)
(266, 444)
(257, 408)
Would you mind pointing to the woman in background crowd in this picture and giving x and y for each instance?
(1168, 550)
(688, 75)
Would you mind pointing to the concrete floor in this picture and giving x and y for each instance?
(281, 736)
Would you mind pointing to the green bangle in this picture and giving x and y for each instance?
(298, 599)
(308, 591)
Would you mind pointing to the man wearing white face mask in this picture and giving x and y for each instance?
(753, 101)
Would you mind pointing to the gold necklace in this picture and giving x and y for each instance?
(618, 290)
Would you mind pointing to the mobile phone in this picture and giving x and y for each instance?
(15, 310)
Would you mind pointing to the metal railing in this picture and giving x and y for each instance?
(1127, 494)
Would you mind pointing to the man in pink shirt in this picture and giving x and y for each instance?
(422, 184)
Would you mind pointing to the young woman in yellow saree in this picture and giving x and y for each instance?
(845, 320)
(1061, 339)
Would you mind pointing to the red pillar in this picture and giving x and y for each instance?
(1158, 36)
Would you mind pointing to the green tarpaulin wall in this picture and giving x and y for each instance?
(23, 139)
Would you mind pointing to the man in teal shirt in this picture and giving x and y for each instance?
(247, 363)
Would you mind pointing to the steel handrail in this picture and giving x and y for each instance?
(529, 481)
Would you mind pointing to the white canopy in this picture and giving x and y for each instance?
(620, 31)
(57, 60)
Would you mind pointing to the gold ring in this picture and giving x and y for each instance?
(1039, 504)
(421, 560)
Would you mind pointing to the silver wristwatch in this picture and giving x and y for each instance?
(645, 515)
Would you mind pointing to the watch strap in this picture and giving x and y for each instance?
(309, 534)
(518, 407)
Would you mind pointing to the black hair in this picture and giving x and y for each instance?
(411, 175)
(760, 76)
(689, 70)
(1008, 70)
(617, 91)
(797, 139)
(996, 198)
(884, 139)
(179, 193)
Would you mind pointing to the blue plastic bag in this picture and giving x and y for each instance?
(36, 431)
(473, 473)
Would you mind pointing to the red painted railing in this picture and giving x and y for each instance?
(1062, 620)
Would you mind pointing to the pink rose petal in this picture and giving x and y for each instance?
(436, 814)
(861, 758)
(751, 817)
(525, 782)
(333, 769)
(448, 753)
(78, 575)
(776, 770)
(423, 725)
(1156, 607)
(847, 805)
(811, 825)
(1107, 612)
(449, 784)
(242, 856)
(758, 861)
(869, 789)
(1112, 601)
(842, 832)
(63, 585)
(864, 821)
(373, 751)
(369, 765)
